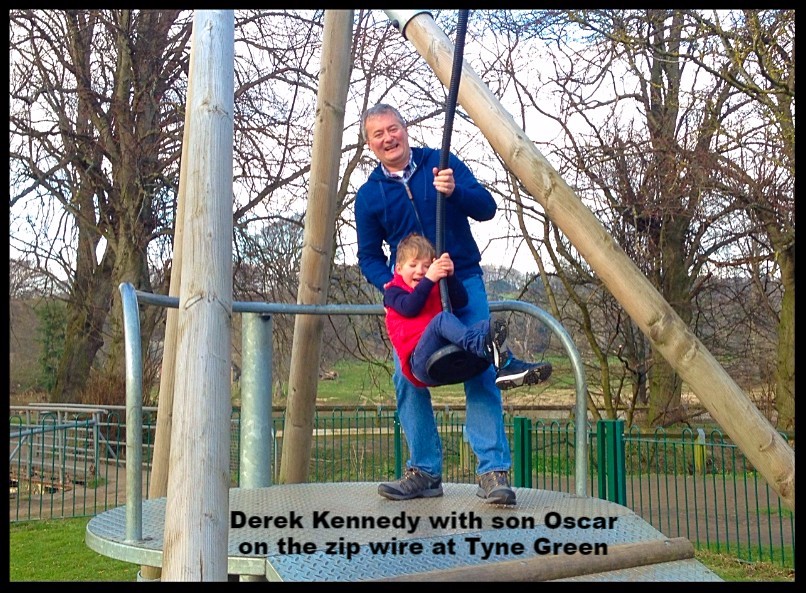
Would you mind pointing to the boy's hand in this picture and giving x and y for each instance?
(440, 268)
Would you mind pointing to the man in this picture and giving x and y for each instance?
(399, 198)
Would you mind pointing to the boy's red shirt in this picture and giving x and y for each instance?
(405, 332)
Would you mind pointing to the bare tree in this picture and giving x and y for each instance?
(759, 50)
(642, 132)
(94, 140)
(26, 281)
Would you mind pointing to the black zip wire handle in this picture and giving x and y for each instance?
(450, 110)
(451, 364)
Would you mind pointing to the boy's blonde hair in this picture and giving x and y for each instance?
(414, 246)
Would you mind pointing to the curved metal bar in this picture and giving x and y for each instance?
(134, 376)
(581, 413)
(134, 413)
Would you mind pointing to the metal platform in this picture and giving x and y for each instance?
(330, 532)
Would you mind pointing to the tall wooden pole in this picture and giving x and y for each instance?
(727, 402)
(158, 484)
(197, 506)
(318, 244)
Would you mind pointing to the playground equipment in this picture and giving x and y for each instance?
(197, 532)
(631, 550)
(295, 531)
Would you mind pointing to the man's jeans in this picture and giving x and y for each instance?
(484, 424)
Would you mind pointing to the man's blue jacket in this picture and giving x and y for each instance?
(386, 212)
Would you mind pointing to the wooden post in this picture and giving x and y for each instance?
(727, 402)
(158, 484)
(318, 244)
(561, 566)
(197, 506)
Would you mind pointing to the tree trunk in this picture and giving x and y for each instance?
(665, 389)
(91, 290)
(86, 311)
(785, 371)
(665, 385)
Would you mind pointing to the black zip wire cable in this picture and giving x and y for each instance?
(450, 110)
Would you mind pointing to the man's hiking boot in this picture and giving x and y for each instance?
(494, 488)
(414, 484)
(494, 346)
(516, 373)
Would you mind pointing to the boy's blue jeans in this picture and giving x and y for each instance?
(444, 329)
(484, 423)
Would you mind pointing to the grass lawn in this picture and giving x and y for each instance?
(55, 551)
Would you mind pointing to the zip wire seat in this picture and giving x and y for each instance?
(451, 364)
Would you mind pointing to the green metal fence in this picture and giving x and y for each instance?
(694, 484)
(700, 486)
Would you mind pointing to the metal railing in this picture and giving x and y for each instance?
(60, 461)
(256, 379)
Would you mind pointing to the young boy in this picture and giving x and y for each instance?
(418, 326)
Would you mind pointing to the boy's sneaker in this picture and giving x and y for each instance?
(414, 484)
(516, 373)
(494, 488)
(494, 347)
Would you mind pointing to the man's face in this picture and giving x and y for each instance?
(413, 270)
(389, 140)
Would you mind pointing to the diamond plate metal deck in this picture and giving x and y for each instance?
(330, 517)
